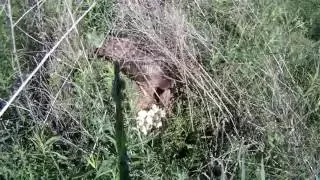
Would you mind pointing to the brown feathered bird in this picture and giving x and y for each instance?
(147, 69)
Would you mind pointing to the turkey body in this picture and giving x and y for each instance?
(147, 69)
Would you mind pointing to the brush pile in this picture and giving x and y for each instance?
(161, 51)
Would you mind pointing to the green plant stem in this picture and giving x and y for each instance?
(118, 86)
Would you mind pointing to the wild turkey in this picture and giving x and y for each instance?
(148, 69)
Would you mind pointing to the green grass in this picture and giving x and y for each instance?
(264, 57)
(5, 58)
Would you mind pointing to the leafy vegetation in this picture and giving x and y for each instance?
(263, 56)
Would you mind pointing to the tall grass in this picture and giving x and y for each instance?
(248, 107)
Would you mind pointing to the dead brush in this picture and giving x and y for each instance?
(162, 49)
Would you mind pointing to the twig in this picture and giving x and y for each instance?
(17, 106)
(43, 61)
(14, 49)
(30, 36)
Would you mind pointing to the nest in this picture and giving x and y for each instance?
(150, 70)
(161, 51)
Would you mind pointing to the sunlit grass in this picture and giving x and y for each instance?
(254, 113)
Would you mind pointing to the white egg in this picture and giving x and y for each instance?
(151, 113)
(144, 130)
(142, 113)
(155, 107)
(159, 124)
(149, 120)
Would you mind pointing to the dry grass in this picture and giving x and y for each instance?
(248, 109)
